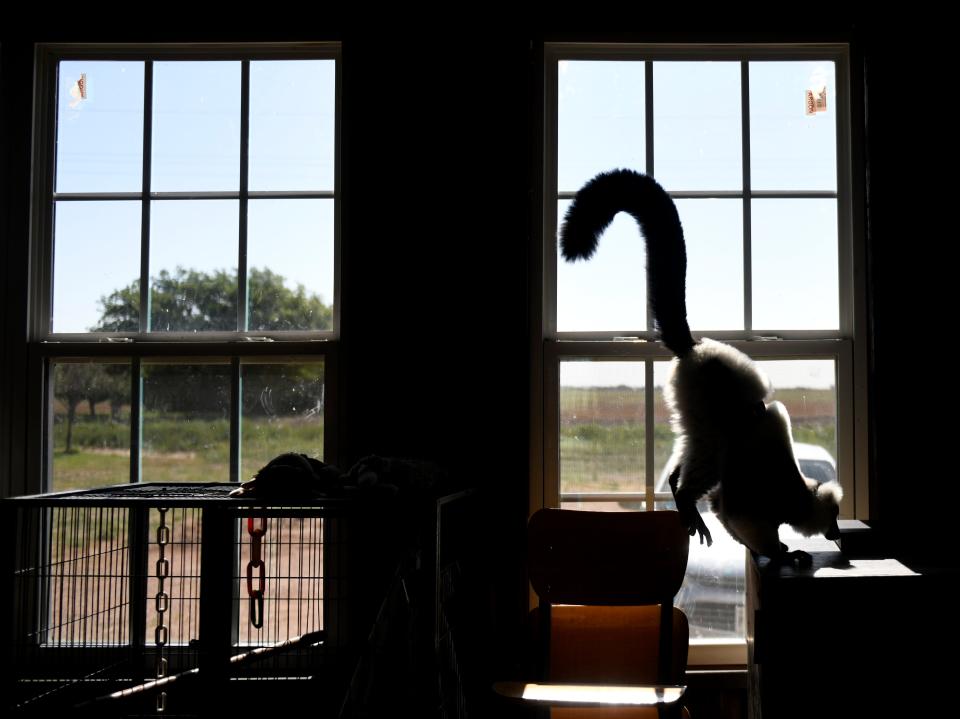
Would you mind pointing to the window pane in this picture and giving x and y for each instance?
(789, 149)
(100, 136)
(600, 119)
(290, 254)
(96, 255)
(282, 412)
(292, 125)
(186, 423)
(697, 125)
(807, 388)
(713, 592)
(602, 426)
(196, 126)
(795, 280)
(193, 265)
(610, 291)
(91, 425)
(713, 230)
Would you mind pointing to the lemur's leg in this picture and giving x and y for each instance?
(762, 538)
(687, 507)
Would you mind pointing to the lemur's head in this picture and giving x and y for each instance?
(821, 517)
(771, 452)
(825, 508)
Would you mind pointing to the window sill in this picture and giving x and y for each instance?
(713, 653)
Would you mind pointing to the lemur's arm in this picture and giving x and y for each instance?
(687, 506)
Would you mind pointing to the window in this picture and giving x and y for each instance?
(753, 145)
(185, 259)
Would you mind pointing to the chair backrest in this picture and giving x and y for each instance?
(613, 566)
(606, 558)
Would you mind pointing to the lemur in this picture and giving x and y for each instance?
(732, 443)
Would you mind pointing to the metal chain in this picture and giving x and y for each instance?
(256, 562)
(162, 604)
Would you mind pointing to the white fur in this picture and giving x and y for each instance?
(736, 444)
(698, 423)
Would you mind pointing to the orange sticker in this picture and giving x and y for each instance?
(79, 91)
(816, 100)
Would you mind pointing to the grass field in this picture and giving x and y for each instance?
(603, 434)
(602, 441)
(175, 449)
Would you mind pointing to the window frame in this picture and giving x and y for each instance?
(846, 345)
(233, 347)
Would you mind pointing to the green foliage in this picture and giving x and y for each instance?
(609, 457)
(189, 300)
(276, 307)
(200, 391)
(210, 437)
(82, 469)
(176, 449)
(603, 438)
(89, 434)
(823, 434)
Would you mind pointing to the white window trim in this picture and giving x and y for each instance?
(847, 346)
(229, 347)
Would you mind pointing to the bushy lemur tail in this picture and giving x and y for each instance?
(593, 209)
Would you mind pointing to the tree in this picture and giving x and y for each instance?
(71, 384)
(195, 301)
(108, 382)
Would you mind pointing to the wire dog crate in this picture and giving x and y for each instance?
(162, 598)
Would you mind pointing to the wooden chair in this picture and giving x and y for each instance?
(606, 583)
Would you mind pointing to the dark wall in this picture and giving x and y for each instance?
(437, 207)
(912, 155)
(436, 210)
(16, 80)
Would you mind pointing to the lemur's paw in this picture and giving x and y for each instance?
(700, 528)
